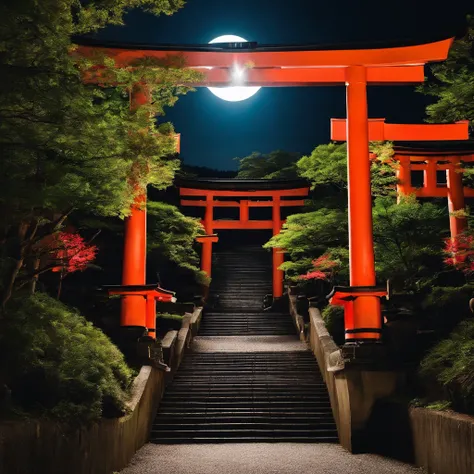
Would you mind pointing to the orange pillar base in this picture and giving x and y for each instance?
(151, 315)
(133, 311)
(363, 322)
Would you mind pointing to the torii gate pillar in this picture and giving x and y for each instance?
(366, 316)
(278, 256)
(456, 203)
(134, 253)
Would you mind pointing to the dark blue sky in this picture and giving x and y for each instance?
(294, 119)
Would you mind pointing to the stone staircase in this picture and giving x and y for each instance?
(246, 397)
(242, 278)
(231, 397)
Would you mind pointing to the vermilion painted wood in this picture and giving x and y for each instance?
(277, 253)
(381, 131)
(149, 298)
(399, 56)
(430, 164)
(456, 203)
(365, 309)
(134, 256)
(297, 77)
(288, 203)
(240, 225)
(207, 238)
(233, 193)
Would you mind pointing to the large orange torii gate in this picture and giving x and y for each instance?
(245, 194)
(295, 66)
(441, 152)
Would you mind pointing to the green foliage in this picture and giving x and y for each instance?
(171, 239)
(91, 16)
(327, 166)
(57, 364)
(440, 405)
(307, 236)
(67, 144)
(333, 317)
(275, 165)
(451, 365)
(453, 82)
(173, 317)
(168, 322)
(445, 300)
(408, 240)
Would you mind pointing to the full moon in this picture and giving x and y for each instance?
(232, 93)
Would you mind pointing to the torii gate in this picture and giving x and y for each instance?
(293, 66)
(429, 160)
(246, 194)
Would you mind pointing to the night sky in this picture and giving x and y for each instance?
(294, 119)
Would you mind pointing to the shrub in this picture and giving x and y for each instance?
(57, 364)
(333, 316)
(445, 307)
(168, 322)
(408, 241)
(451, 365)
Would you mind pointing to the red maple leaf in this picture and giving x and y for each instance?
(71, 252)
(460, 253)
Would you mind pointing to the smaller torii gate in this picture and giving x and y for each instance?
(444, 148)
(243, 194)
(430, 159)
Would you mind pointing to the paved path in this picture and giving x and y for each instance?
(258, 458)
(261, 458)
(248, 344)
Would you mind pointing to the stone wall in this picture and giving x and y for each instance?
(47, 447)
(353, 390)
(28, 447)
(443, 441)
(440, 442)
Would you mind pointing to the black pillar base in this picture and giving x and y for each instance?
(363, 353)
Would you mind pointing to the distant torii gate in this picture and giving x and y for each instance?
(293, 66)
(427, 159)
(245, 194)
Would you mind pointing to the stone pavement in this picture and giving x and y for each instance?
(261, 458)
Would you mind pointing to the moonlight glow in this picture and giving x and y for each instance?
(233, 93)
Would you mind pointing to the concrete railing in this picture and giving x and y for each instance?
(175, 342)
(44, 446)
(443, 441)
(353, 391)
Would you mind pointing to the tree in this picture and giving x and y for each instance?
(327, 167)
(452, 82)
(68, 145)
(171, 240)
(408, 239)
(459, 253)
(307, 236)
(275, 165)
(328, 266)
